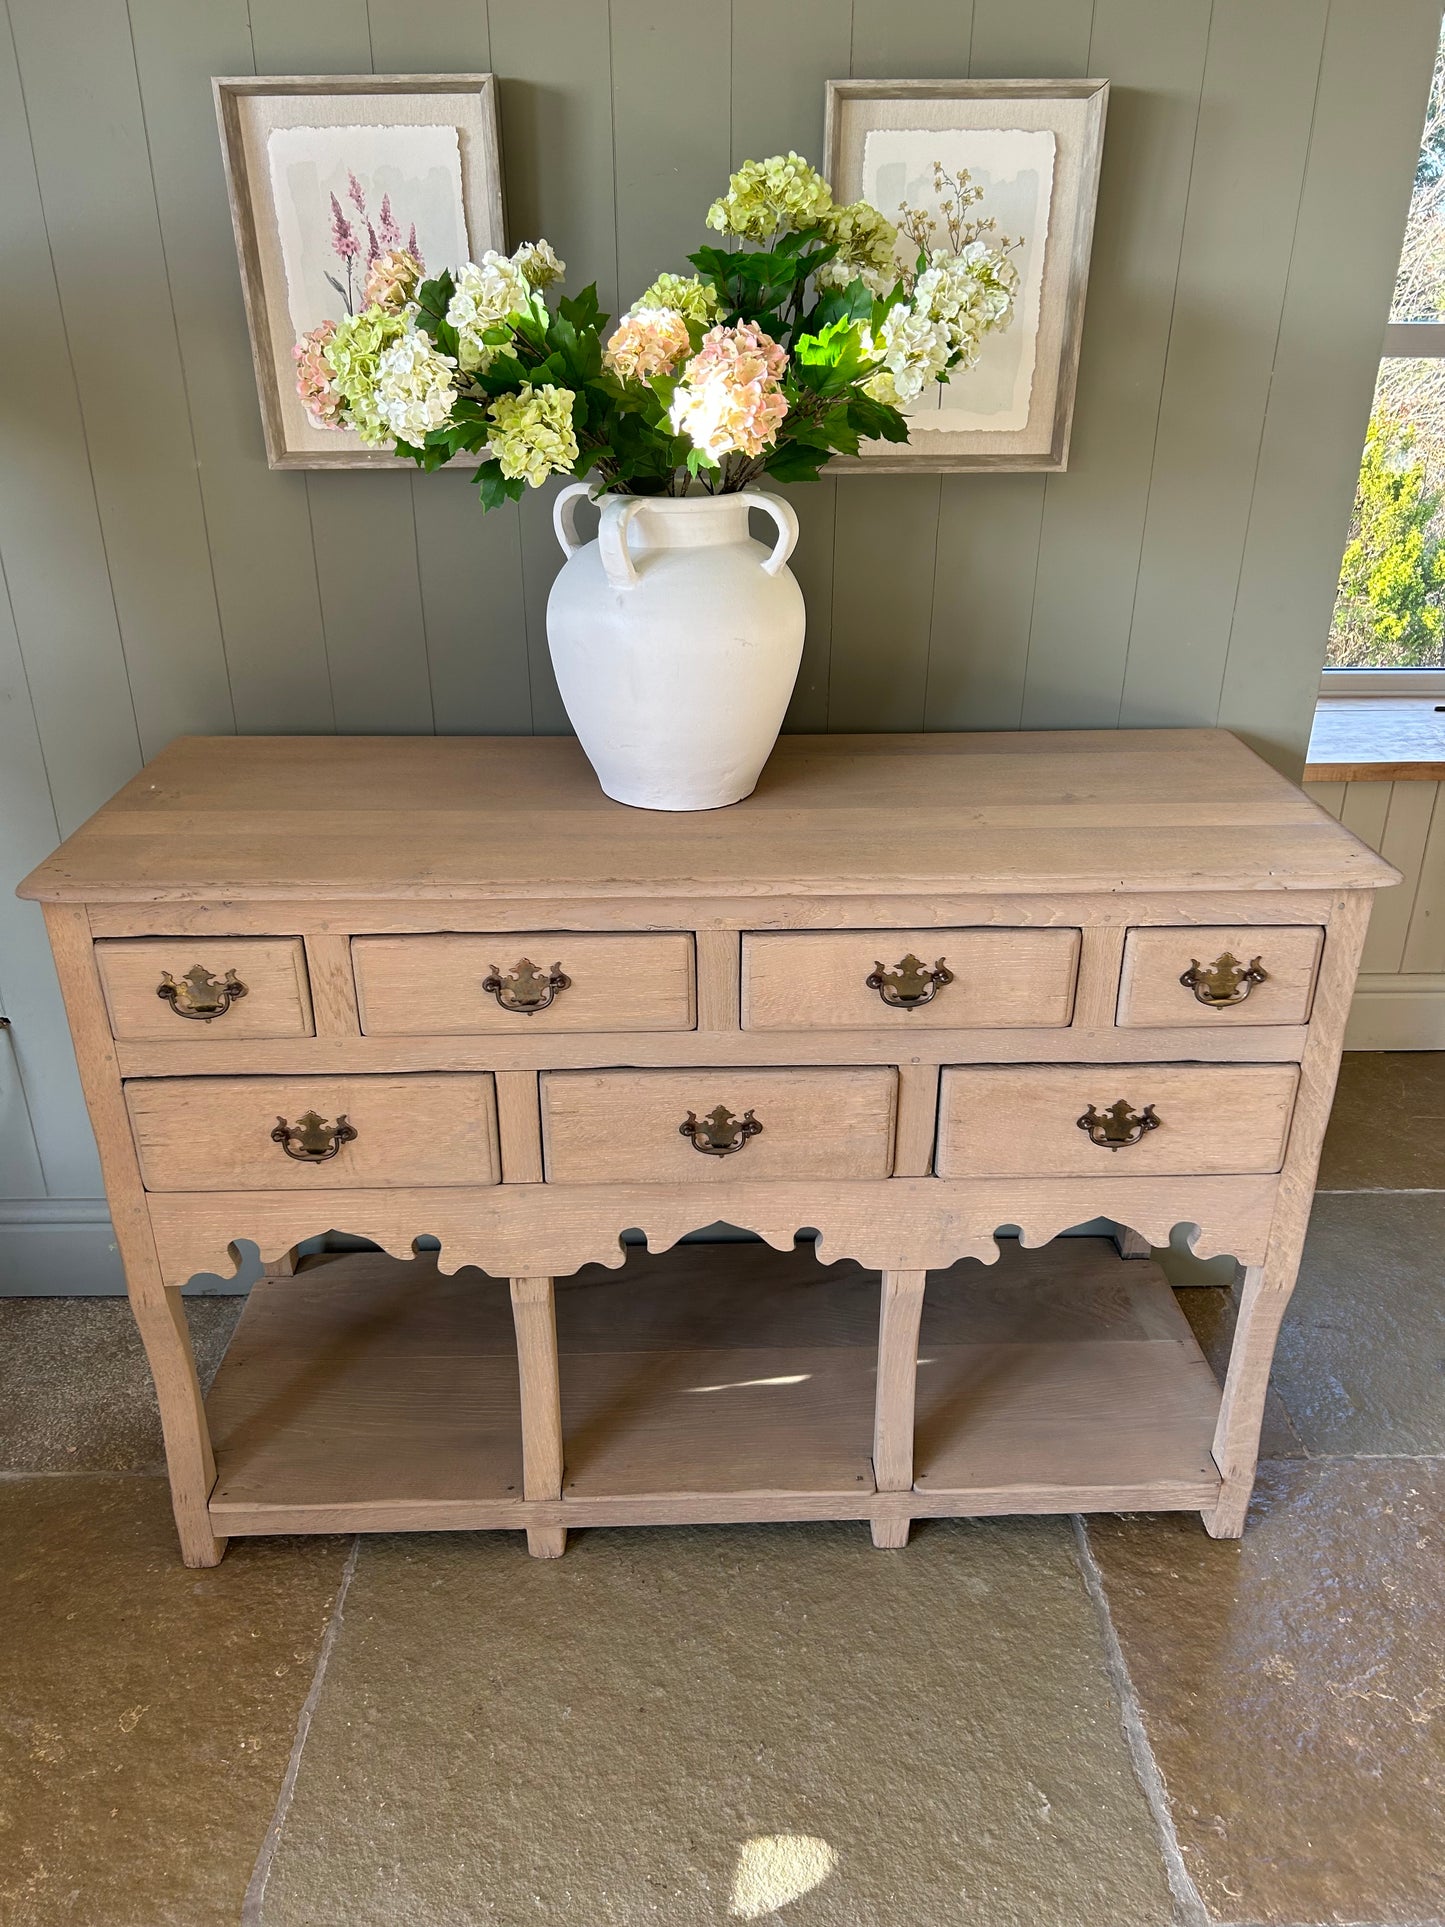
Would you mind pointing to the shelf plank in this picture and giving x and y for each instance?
(366, 1380)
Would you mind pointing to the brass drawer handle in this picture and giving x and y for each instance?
(525, 990)
(1224, 982)
(1119, 1125)
(719, 1134)
(909, 985)
(311, 1140)
(199, 995)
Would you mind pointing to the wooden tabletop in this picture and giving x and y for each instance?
(451, 817)
(1377, 739)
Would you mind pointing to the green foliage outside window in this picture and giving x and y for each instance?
(1389, 611)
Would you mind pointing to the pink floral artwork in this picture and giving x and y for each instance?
(347, 196)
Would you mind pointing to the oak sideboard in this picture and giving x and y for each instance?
(440, 994)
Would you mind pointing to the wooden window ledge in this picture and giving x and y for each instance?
(1377, 739)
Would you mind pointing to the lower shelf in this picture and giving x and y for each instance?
(706, 1385)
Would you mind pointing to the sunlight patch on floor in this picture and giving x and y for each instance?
(774, 1868)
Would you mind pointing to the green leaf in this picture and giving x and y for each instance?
(496, 488)
(792, 462)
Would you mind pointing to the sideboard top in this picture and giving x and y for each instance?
(454, 817)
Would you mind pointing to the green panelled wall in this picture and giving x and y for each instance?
(159, 579)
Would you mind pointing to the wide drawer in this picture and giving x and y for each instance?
(1237, 974)
(205, 987)
(860, 979)
(216, 1133)
(458, 985)
(692, 1127)
(1024, 1121)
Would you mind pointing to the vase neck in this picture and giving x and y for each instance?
(693, 522)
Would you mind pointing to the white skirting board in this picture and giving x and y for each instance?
(1404, 1012)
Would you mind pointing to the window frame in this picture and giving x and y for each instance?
(1404, 341)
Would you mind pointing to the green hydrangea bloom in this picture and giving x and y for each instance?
(686, 294)
(533, 436)
(764, 198)
(353, 354)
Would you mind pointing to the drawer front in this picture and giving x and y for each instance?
(205, 987)
(1023, 1122)
(215, 1133)
(1219, 959)
(807, 980)
(609, 1127)
(439, 986)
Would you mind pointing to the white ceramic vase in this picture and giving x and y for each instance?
(676, 640)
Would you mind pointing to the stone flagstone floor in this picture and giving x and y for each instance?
(1016, 1723)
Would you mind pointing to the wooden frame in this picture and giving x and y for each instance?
(1043, 443)
(290, 441)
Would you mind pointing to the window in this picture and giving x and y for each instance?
(1388, 632)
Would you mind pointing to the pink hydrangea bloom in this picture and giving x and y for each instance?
(313, 378)
(651, 341)
(728, 400)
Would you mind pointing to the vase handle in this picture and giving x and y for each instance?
(784, 514)
(563, 516)
(612, 541)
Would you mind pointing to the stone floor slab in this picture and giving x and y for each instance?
(1361, 1356)
(1387, 1129)
(1292, 1686)
(75, 1389)
(147, 1712)
(694, 1726)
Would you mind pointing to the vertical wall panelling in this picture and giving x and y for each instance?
(476, 620)
(1152, 51)
(88, 137)
(911, 39)
(989, 526)
(1254, 122)
(554, 62)
(257, 522)
(1425, 942)
(883, 555)
(470, 565)
(781, 59)
(45, 1142)
(1406, 830)
(64, 612)
(1374, 78)
(363, 526)
(671, 87)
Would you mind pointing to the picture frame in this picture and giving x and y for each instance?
(322, 170)
(1035, 147)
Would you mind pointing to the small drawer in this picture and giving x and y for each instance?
(1024, 1122)
(218, 1133)
(860, 979)
(520, 982)
(205, 987)
(1238, 974)
(632, 1127)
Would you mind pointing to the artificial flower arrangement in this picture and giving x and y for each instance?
(767, 360)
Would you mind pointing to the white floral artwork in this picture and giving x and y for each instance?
(343, 195)
(1015, 169)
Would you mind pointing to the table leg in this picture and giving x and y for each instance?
(534, 1315)
(899, 1316)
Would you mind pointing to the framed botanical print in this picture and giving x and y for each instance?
(327, 175)
(1018, 160)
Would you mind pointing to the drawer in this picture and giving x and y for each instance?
(608, 1127)
(437, 986)
(215, 1133)
(819, 980)
(213, 987)
(1023, 1121)
(1150, 991)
